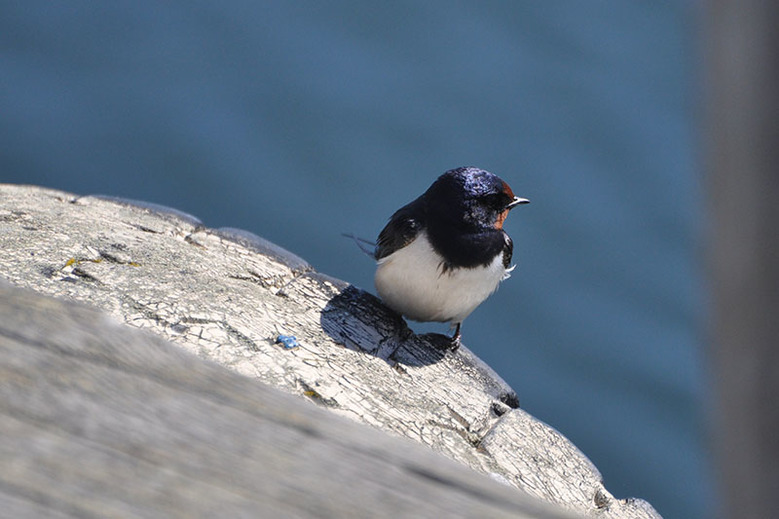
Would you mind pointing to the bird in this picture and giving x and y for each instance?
(441, 255)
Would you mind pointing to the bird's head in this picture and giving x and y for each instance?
(471, 198)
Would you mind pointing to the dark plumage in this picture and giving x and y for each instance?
(459, 220)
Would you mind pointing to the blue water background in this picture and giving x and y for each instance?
(302, 120)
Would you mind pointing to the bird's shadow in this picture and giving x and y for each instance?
(361, 322)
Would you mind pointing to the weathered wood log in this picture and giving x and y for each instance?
(226, 296)
(100, 420)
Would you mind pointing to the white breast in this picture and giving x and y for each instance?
(412, 282)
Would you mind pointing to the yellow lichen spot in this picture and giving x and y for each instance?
(71, 261)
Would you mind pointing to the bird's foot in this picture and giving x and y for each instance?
(440, 342)
(443, 342)
(455, 340)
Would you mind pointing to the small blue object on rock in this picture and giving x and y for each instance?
(289, 341)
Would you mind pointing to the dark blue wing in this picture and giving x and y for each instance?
(401, 230)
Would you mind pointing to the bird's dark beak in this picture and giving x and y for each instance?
(517, 201)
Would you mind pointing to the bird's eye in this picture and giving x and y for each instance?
(495, 200)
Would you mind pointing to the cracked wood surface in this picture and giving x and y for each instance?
(226, 295)
(100, 420)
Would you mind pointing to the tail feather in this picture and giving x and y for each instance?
(361, 242)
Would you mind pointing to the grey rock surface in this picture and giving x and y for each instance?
(226, 295)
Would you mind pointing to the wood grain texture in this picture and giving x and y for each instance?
(99, 420)
(225, 295)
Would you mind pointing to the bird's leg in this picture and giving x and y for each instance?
(455, 340)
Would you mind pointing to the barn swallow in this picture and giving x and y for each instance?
(443, 254)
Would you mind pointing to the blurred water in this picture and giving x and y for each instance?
(302, 120)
